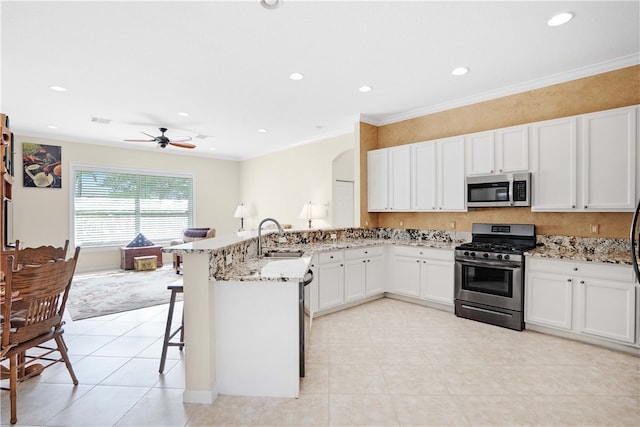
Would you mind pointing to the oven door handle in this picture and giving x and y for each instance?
(491, 264)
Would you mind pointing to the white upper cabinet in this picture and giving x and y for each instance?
(451, 174)
(500, 151)
(389, 179)
(609, 160)
(512, 149)
(400, 178)
(437, 175)
(585, 163)
(377, 180)
(424, 176)
(554, 165)
(480, 153)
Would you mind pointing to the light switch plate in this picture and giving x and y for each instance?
(229, 259)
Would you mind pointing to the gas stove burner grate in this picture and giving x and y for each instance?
(493, 247)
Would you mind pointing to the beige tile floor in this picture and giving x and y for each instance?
(385, 363)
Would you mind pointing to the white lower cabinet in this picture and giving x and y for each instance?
(347, 275)
(363, 273)
(585, 298)
(549, 300)
(330, 279)
(423, 272)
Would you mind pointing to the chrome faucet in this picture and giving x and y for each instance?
(260, 232)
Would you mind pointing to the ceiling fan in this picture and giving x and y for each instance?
(163, 141)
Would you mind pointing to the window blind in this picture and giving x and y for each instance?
(111, 207)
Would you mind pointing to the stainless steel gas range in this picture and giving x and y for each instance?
(489, 274)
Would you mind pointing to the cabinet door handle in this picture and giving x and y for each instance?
(364, 260)
(575, 268)
(418, 261)
(573, 206)
(569, 280)
(582, 282)
(331, 257)
(585, 206)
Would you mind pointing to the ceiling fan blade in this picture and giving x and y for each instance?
(180, 139)
(150, 136)
(182, 144)
(139, 140)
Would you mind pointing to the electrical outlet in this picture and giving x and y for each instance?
(595, 228)
(452, 225)
(401, 223)
(282, 239)
(334, 236)
(366, 223)
(229, 259)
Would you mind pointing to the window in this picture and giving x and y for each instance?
(111, 206)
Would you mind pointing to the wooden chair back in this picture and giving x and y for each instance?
(43, 290)
(39, 255)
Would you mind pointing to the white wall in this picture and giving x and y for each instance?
(42, 215)
(278, 184)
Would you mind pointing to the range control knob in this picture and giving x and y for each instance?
(473, 254)
(466, 253)
(486, 255)
(507, 257)
(499, 256)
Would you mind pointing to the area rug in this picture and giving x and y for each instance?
(98, 294)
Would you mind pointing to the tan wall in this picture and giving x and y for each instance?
(614, 89)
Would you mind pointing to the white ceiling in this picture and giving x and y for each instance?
(227, 64)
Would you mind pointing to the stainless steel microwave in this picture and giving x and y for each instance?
(507, 190)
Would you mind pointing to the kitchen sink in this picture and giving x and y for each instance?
(283, 253)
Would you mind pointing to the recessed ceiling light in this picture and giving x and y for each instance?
(270, 4)
(296, 76)
(57, 88)
(365, 89)
(559, 19)
(262, 130)
(459, 71)
(183, 114)
(52, 127)
(212, 149)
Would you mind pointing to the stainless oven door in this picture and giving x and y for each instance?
(496, 284)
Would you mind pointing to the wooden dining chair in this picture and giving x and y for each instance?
(35, 256)
(39, 255)
(33, 308)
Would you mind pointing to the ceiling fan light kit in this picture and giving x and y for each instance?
(163, 141)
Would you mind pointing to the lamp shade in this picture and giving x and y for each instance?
(241, 212)
(312, 211)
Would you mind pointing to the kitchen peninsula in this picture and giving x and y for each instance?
(241, 310)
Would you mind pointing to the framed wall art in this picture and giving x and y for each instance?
(42, 165)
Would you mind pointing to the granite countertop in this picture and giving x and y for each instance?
(293, 269)
(247, 266)
(570, 253)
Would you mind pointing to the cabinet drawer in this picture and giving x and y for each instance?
(614, 272)
(331, 256)
(368, 252)
(424, 252)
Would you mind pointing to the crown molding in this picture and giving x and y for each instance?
(578, 73)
